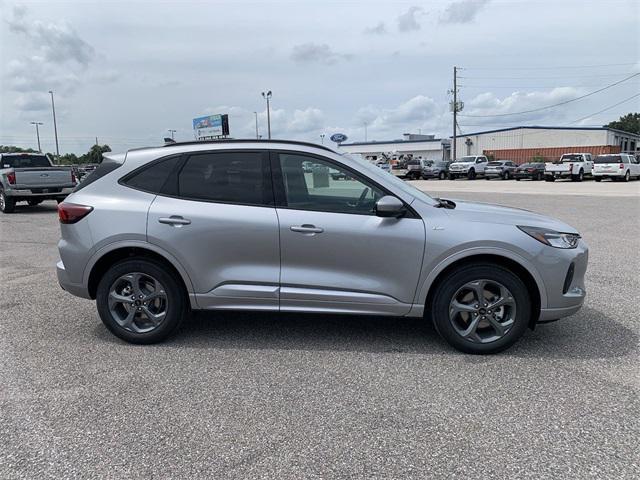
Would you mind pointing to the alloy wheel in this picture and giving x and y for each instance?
(138, 302)
(482, 311)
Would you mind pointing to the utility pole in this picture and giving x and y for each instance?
(55, 126)
(172, 132)
(455, 111)
(257, 134)
(38, 133)
(96, 141)
(267, 97)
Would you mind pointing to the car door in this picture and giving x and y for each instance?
(217, 217)
(634, 166)
(336, 254)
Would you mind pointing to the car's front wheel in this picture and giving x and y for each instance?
(442, 175)
(481, 309)
(472, 174)
(140, 302)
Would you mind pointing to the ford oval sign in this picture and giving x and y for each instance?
(338, 137)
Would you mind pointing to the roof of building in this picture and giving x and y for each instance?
(537, 127)
(398, 140)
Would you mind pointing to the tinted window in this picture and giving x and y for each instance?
(608, 159)
(152, 177)
(329, 188)
(25, 161)
(227, 177)
(106, 166)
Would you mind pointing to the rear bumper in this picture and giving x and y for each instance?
(76, 289)
(559, 174)
(618, 174)
(27, 193)
(493, 174)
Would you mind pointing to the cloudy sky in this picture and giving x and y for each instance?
(127, 72)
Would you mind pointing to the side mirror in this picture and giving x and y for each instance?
(390, 206)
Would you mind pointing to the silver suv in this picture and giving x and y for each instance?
(263, 225)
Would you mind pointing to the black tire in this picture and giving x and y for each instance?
(451, 284)
(518, 179)
(472, 174)
(538, 177)
(627, 176)
(549, 178)
(176, 308)
(33, 203)
(487, 178)
(506, 176)
(579, 177)
(452, 177)
(442, 175)
(597, 179)
(7, 204)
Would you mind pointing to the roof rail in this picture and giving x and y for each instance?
(251, 140)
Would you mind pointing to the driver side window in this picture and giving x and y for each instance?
(314, 184)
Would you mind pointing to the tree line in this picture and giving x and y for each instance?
(94, 155)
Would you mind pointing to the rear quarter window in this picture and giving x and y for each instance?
(107, 165)
(153, 176)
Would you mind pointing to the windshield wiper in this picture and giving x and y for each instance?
(444, 203)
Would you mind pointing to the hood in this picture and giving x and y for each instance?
(497, 214)
(464, 164)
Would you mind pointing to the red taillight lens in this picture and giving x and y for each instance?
(71, 212)
(532, 170)
(11, 178)
(621, 165)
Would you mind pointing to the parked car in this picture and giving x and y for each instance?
(415, 167)
(470, 167)
(616, 167)
(237, 225)
(570, 165)
(399, 169)
(32, 178)
(384, 166)
(436, 169)
(533, 171)
(503, 169)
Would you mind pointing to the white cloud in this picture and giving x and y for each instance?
(407, 22)
(463, 11)
(379, 29)
(316, 53)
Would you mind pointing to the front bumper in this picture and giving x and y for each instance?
(563, 276)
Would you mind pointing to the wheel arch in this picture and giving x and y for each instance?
(527, 274)
(104, 258)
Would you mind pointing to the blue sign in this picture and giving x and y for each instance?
(338, 137)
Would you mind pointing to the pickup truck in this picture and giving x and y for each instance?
(470, 167)
(570, 165)
(32, 178)
(415, 168)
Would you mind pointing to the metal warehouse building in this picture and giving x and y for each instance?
(521, 144)
(425, 146)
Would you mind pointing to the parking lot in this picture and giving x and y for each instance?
(257, 395)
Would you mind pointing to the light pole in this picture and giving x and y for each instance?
(171, 132)
(38, 133)
(257, 134)
(55, 125)
(267, 96)
(322, 138)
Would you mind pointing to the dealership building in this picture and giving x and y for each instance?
(425, 146)
(521, 144)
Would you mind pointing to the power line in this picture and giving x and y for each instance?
(528, 77)
(554, 67)
(608, 108)
(557, 104)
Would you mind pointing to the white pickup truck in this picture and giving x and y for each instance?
(470, 167)
(32, 178)
(571, 165)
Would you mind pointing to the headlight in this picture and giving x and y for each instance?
(551, 237)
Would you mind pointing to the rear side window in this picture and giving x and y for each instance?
(107, 165)
(227, 177)
(25, 161)
(152, 177)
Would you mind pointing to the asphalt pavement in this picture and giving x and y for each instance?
(254, 395)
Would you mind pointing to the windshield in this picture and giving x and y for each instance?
(608, 159)
(25, 161)
(400, 184)
(465, 159)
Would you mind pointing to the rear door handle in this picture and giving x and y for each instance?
(306, 228)
(175, 220)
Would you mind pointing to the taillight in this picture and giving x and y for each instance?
(532, 169)
(621, 166)
(72, 212)
(11, 178)
(73, 178)
(571, 166)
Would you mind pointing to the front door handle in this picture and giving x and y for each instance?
(306, 228)
(175, 220)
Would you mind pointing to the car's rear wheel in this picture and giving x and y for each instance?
(579, 177)
(506, 176)
(481, 308)
(627, 176)
(7, 204)
(538, 176)
(140, 302)
(549, 178)
(472, 174)
(597, 179)
(442, 175)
